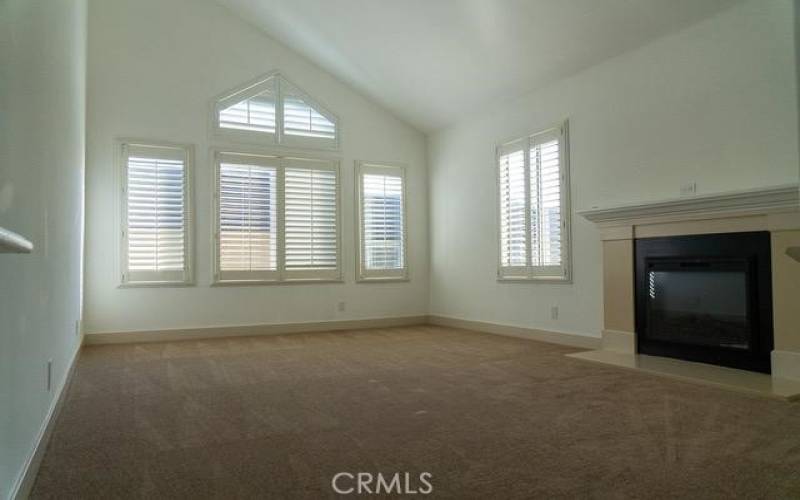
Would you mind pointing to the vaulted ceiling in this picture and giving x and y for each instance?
(432, 62)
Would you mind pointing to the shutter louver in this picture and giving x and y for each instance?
(513, 239)
(301, 119)
(156, 214)
(310, 220)
(545, 203)
(255, 113)
(382, 222)
(274, 110)
(247, 211)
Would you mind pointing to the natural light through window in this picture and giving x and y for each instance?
(273, 110)
(277, 219)
(155, 218)
(533, 194)
(382, 231)
(247, 219)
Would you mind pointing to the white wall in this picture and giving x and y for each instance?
(154, 66)
(714, 104)
(42, 118)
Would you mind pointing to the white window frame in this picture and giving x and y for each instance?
(529, 272)
(277, 82)
(281, 275)
(370, 276)
(155, 278)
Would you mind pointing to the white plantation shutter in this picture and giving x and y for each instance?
(247, 218)
(155, 235)
(311, 219)
(301, 119)
(275, 110)
(545, 203)
(513, 222)
(534, 207)
(256, 114)
(251, 110)
(382, 231)
(277, 219)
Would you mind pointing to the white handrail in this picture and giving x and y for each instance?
(11, 242)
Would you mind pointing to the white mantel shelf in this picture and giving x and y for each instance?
(761, 201)
(11, 242)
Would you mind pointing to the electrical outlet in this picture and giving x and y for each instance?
(688, 189)
(341, 306)
(554, 312)
(49, 374)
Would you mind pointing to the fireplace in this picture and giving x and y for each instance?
(706, 298)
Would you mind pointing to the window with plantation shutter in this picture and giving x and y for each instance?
(311, 219)
(277, 219)
(382, 222)
(252, 109)
(275, 111)
(155, 217)
(247, 218)
(300, 118)
(533, 195)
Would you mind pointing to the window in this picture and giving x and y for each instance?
(533, 193)
(310, 214)
(247, 218)
(256, 114)
(275, 111)
(382, 222)
(156, 236)
(277, 219)
(300, 119)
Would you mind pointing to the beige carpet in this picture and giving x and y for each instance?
(488, 416)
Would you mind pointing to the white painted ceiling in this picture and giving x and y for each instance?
(432, 62)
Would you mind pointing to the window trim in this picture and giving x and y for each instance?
(281, 276)
(529, 273)
(379, 276)
(121, 146)
(278, 138)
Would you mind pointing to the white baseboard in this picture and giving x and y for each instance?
(568, 339)
(27, 476)
(248, 330)
(619, 341)
(786, 364)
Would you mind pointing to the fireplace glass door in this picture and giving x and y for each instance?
(699, 303)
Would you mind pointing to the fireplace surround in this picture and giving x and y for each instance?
(772, 211)
(706, 298)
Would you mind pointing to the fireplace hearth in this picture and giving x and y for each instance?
(706, 298)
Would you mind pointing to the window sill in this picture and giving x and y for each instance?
(227, 283)
(399, 279)
(543, 279)
(156, 284)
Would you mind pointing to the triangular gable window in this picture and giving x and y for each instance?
(276, 111)
(303, 119)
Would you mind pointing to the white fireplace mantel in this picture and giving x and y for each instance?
(775, 209)
(751, 202)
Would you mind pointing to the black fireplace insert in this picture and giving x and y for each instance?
(706, 298)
